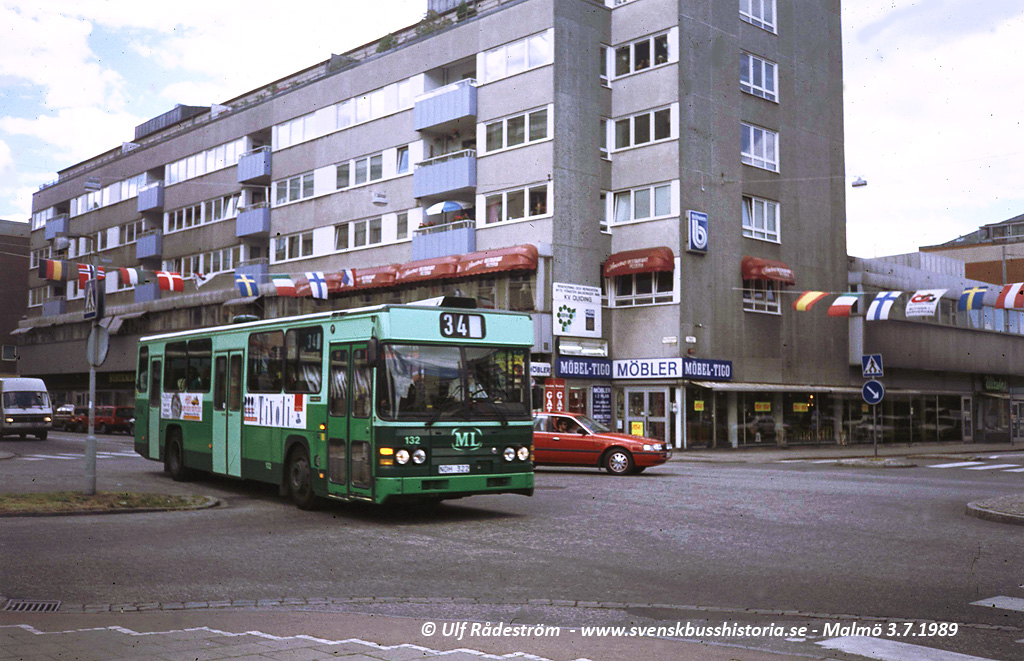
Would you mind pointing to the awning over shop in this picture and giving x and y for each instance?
(755, 268)
(645, 260)
(113, 324)
(437, 268)
(377, 276)
(19, 331)
(514, 258)
(244, 300)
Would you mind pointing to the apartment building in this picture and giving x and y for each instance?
(652, 180)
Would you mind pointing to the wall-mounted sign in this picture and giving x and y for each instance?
(554, 396)
(697, 222)
(602, 404)
(583, 368)
(577, 310)
(703, 369)
(540, 370)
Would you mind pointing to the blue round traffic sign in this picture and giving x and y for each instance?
(873, 392)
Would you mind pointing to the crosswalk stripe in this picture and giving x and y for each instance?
(55, 456)
(891, 650)
(1015, 470)
(958, 464)
(1004, 603)
(990, 467)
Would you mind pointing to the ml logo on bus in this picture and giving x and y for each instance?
(466, 438)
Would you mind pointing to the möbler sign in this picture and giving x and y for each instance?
(673, 368)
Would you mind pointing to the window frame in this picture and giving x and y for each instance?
(748, 219)
(652, 190)
(750, 65)
(650, 118)
(762, 296)
(658, 294)
(632, 59)
(527, 193)
(753, 12)
(764, 160)
(500, 127)
(293, 189)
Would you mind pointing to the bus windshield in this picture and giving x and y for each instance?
(429, 382)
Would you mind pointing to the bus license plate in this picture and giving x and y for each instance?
(448, 469)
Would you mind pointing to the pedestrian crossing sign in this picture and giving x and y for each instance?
(872, 364)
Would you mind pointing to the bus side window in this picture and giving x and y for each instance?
(175, 366)
(235, 386)
(338, 387)
(154, 387)
(265, 353)
(142, 378)
(220, 388)
(361, 384)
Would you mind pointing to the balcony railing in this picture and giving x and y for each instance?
(255, 165)
(445, 105)
(253, 220)
(151, 198)
(448, 173)
(149, 245)
(56, 225)
(455, 238)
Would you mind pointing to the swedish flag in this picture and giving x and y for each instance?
(246, 284)
(971, 298)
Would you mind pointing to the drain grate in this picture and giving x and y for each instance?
(31, 606)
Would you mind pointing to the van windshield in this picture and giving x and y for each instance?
(26, 399)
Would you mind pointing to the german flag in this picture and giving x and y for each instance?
(55, 269)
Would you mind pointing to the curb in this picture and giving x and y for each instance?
(987, 509)
(208, 502)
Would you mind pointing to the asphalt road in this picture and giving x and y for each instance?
(749, 543)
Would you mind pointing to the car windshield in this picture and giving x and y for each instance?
(428, 382)
(593, 425)
(26, 399)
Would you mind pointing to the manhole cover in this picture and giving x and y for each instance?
(31, 606)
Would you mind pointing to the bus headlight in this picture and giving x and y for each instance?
(419, 456)
(509, 454)
(402, 456)
(523, 453)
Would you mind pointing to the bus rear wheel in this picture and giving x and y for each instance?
(300, 479)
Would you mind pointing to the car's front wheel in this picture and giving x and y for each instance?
(618, 462)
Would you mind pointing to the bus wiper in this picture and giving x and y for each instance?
(444, 406)
(497, 409)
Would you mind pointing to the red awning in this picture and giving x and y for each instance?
(437, 268)
(514, 258)
(755, 268)
(377, 276)
(645, 260)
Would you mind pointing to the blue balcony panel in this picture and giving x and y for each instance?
(445, 105)
(152, 198)
(147, 292)
(456, 238)
(56, 225)
(451, 173)
(254, 166)
(149, 245)
(253, 221)
(54, 306)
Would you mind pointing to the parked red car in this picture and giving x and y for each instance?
(108, 419)
(571, 439)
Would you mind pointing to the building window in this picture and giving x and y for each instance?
(644, 203)
(517, 204)
(518, 56)
(216, 158)
(402, 164)
(643, 128)
(293, 246)
(643, 289)
(341, 237)
(759, 77)
(364, 170)
(760, 147)
(39, 218)
(761, 219)
(761, 296)
(759, 12)
(209, 211)
(517, 130)
(403, 225)
(294, 188)
(129, 232)
(364, 233)
(37, 256)
(641, 55)
(521, 292)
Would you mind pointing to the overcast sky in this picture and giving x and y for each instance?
(933, 95)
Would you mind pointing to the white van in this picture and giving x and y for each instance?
(24, 407)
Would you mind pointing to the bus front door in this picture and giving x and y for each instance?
(349, 408)
(153, 424)
(227, 414)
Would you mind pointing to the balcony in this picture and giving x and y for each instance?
(147, 292)
(257, 269)
(151, 198)
(445, 105)
(56, 225)
(253, 221)
(456, 238)
(443, 175)
(149, 245)
(254, 166)
(54, 306)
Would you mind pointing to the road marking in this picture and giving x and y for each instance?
(990, 467)
(891, 650)
(959, 464)
(1015, 470)
(807, 461)
(1004, 603)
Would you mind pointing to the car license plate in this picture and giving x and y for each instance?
(449, 469)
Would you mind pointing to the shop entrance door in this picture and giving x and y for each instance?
(647, 413)
(1016, 423)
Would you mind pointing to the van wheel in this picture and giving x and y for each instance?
(41, 436)
(300, 479)
(174, 458)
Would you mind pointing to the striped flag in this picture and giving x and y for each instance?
(54, 269)
(1011, 297)
(284, 285)
(348, 277)
(879, 308)
(317, 284)
(130, 276)
(971, 299)
(246, 284)
(844, 306)
(170, 281)
(806, 300)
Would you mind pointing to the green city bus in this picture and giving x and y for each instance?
(393, 402)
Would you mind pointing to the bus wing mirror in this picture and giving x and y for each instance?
(373, 351)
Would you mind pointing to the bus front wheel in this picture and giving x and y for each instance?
(300, 479)
(174, 460)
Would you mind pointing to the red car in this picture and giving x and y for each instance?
(571, 439)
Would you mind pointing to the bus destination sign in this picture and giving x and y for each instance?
(463, 326)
